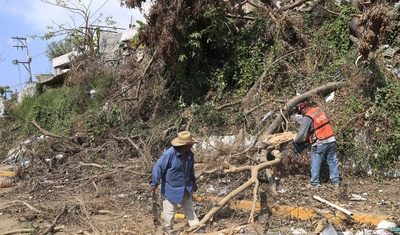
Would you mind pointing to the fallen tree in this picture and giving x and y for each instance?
(253, 180)
(319, 91)
(285, 111)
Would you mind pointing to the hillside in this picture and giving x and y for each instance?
(217, 68)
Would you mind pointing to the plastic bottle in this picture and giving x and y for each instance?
(6, 183)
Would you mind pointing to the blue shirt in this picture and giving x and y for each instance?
(173, 175)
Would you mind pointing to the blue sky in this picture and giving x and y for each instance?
(24, 18)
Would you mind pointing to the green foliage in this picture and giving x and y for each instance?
(376, 144)
(54, 110)
(136, 38)
(56, 49)
(210, 117)
(216, 57)
(387, 141)
(207, 42)
(250, 52)
(394, 36)
(105, 119)
(334, 35)
(4, 90)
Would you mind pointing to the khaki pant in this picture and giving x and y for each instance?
(169, 209)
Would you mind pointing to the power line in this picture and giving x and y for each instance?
(9, 46)
(3, 59)
(39, 54)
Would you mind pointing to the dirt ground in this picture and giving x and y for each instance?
(78, 198)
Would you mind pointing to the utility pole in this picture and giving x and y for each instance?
(22, 43)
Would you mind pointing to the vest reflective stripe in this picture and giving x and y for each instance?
(322, 128)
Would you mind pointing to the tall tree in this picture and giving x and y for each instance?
(76, 29)
(4, 90)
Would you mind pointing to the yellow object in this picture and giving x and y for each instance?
(7, 173)
(301, 213)
(179, 217)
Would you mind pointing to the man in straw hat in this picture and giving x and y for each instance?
(174, 170)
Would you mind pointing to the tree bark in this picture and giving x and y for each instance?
(253, 180)
(322, 90)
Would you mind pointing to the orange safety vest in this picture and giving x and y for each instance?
(322, 128)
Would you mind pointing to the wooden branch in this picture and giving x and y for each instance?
(27, 205)
(296, 4)
(144, 74)
(254, 108)
(322, 90)
(91, 164)
(51, 228)
(254, 173)
(354, 40)
(241, 17)
(253, 206)
(253, 89)
(44, 132)
(256, 5)
(20, 231)
(87, 216)
(106, 174)
(142, 156)
(228, 105)
(332, 12)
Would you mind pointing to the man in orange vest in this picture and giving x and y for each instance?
(316, 130)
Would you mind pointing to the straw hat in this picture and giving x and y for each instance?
(184, 138)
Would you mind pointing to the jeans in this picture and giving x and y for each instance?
(318, 153)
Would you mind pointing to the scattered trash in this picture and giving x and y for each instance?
(388, 52)
(122, 195)
(345, 233)
(226, 181)
(337, 76)
(282, 190)
(383, 202)
(356, 197)
(298, 231)
(104, 212)
(210, 189)
(330, 96)
(6, 183)
(241, 230)
(395, 231)
(179, 217)
(59, 156)
(384, 232)
(7, 173)
(46, 181)
(347, 212)
(223, 191)
(364, 232)
(383, 228)
(329, 230)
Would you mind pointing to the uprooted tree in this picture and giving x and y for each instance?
(273, 149)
